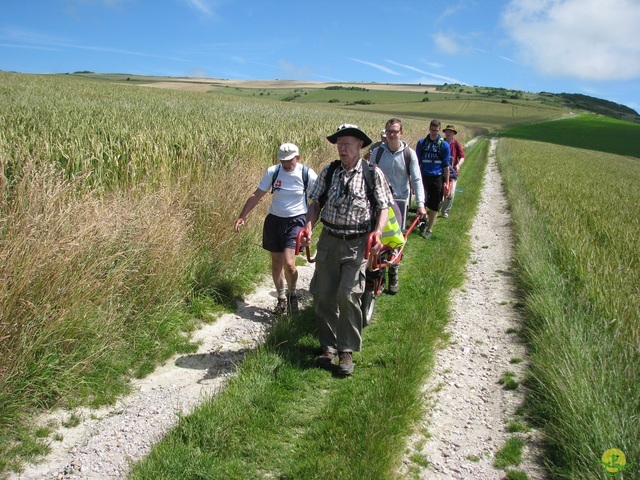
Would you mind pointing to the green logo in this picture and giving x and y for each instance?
(614, 462)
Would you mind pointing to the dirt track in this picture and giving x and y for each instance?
(467, 423)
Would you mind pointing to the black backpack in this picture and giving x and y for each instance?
(368, 171)
(369, 179)
(305, 179)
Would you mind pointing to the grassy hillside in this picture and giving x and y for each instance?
(485, 108)
(589, 132)
(316, 92)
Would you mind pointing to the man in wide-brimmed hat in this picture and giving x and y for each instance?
(457, 159)
(350, 208)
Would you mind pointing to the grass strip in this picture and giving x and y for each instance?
(579, 266)
(282, 417)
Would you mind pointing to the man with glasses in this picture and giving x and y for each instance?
(351, 199)
(400, 165)
(434, 155)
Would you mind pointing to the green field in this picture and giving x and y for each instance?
(589, 132)
(579, 268)
(117, 202)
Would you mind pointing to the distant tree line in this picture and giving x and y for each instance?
(339, 87)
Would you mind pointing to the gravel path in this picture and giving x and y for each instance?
(466, 423)
(470, 408)
(107, 440)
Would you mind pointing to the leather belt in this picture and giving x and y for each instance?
(351, 236)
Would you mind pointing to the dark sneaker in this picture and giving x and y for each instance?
(427, 234)
(281, 307)
(325, 359)
(292, 305)
(345, 367)
(421, 226)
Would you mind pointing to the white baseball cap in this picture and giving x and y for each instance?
(287, 151)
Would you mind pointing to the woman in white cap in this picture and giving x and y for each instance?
(288, 181)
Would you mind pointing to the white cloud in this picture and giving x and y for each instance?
(584, 39)
(379, 67)
(205, 7)
(446, 43)
(432, 77)
(34, 40)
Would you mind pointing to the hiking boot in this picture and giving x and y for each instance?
(394, 285)
(345, 367)
(325, 359)
(281, 307)
(292, 305)
(427, 234)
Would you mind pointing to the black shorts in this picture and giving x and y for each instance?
(432, 191)
(279, 233)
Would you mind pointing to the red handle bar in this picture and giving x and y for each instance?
(301, 235)
(394, 256)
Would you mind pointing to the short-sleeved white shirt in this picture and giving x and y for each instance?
(288, 199)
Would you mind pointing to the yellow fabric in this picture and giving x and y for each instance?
(392, 233)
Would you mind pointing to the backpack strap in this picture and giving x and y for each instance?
(423, 142)
(379, 155)
(440, 142)
(369, 174)
(305, 180)
(322, 199)
(274, 177)
(407, 158)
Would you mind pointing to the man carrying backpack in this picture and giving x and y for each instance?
(457, 159)
(399, 163)
(434, 155)
(288, 181)
(351, 199)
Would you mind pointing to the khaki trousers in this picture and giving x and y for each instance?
(337, 286)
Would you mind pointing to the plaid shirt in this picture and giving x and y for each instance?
(347, 206)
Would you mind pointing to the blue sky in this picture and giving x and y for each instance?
(573, 46)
